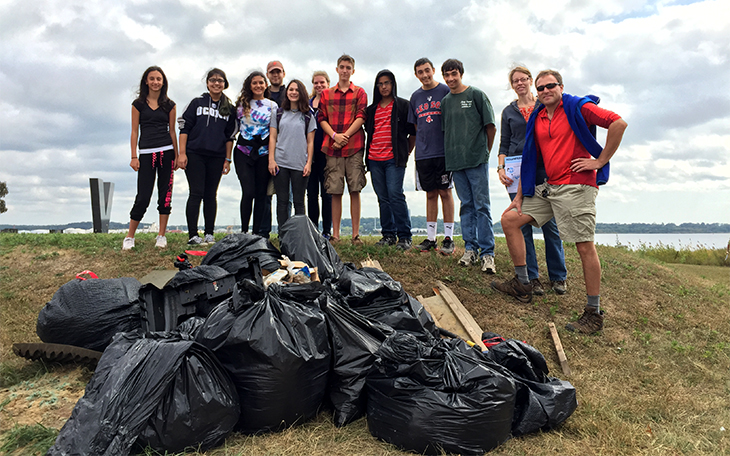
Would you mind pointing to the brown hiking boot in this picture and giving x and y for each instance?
(559, 286)
(515, 288)
(589, 323)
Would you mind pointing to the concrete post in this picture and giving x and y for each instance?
(101, 204)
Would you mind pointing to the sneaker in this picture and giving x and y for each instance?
(447, 246)
(559, 286)
(589, 323)
(427, 245)
(470, 257)
(404, 244)
(161, 242)
(488, 264)
(515, 288)
(209, 239)
(356, 240)
(385, 241)
(326, 236)
(195, 240)
(128, 243)
(537, 288)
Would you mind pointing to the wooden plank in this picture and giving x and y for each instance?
(371, 264)
(559, 348)
(470, 325)
(426, 306)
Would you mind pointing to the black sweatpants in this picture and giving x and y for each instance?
(286, 179)
(204, 174)
(159, 164)
(254, 178)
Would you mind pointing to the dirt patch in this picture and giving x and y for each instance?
(47, 400)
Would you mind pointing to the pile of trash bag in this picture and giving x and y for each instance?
(163, 390)
(274, 344)
(88, 313)
(438, 396)
(233, 252)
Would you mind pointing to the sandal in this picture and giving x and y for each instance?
(356, 240)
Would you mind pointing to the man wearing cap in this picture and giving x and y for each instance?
(275, 72)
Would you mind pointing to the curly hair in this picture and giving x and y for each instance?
(243, 103)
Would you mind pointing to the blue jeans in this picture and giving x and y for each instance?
(554, 254)
(472, 187)
(387, 179)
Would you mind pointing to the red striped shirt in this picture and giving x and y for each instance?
(381, 146)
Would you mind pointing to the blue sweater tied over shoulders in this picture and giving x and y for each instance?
(586, 135)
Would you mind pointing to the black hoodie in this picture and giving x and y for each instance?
(400, 128)
(207, 130)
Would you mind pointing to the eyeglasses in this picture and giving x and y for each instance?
(383, 84)
(522, 80)
(216, 80)
(551, 86)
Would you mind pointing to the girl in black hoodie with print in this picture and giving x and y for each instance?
(206, 129)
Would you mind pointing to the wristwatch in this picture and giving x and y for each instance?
(500, 167)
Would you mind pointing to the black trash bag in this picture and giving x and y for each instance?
(376, 295)
(274, 343)
(232, 253)
(354, 338)
(191, 326)
(439, 396)
(543, 402)
(88, 313)
(161, 390)
(300, 241)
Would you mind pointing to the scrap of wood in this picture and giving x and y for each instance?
(559, 348)
(369, 263)
(467, 321)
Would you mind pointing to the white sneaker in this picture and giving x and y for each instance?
(488, 264)
(128, 243)
(161, 242)
(195, 240)
(209, 239)
(470, 257)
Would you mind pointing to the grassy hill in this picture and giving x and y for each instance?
(655, 382)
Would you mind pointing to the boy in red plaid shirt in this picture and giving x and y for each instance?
(341, 117)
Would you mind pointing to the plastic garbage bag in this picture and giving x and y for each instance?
(233, 251)
(354, 338)
(377, 295)
(160, 390)
(88, 313)
(300, 241)
(438, 396)
(274, 343)
(543, 402)
(191, 326)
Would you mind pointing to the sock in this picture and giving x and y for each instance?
(431, 230)
(449, 230)
(594, 302)
(521, 272)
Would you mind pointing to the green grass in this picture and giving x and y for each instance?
(36, 439)
(654, 382)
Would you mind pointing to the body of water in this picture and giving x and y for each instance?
(634, 241)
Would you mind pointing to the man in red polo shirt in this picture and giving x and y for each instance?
(560, 132)
(341, 117)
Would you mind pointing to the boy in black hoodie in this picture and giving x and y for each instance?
(387, 150)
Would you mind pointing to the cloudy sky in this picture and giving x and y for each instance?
(69, 71)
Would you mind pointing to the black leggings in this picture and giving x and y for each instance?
(254, 178)
(204, 174)
(294, 179)
(160, 164)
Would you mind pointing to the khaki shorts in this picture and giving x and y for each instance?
(573, 206)
(339, 169)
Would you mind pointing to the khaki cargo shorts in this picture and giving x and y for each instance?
(572, 205)
(339, 169)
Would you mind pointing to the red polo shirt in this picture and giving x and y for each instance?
(559, 145)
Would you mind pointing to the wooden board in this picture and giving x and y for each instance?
(559, 348)
(371, 264)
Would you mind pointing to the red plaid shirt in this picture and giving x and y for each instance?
(340, 109)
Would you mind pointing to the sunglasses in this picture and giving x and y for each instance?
(552, 85)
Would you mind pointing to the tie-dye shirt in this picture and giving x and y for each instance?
(255, 124)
